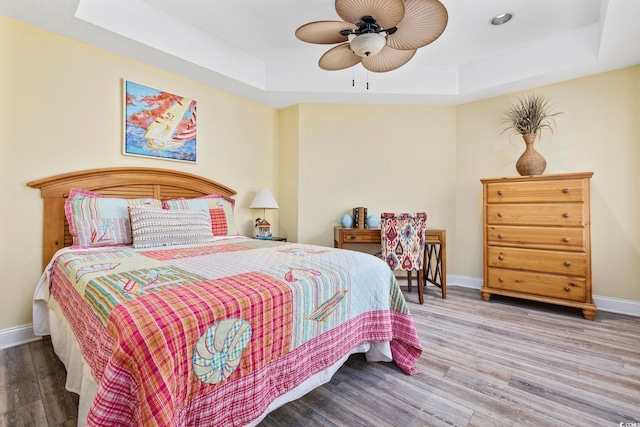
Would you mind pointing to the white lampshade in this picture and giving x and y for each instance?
(368, 44)
(264, 200)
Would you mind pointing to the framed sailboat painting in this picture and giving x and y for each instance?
(159, 124)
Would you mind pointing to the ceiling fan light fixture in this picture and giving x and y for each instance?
(382, 35)
(368, 44)
(503, 18)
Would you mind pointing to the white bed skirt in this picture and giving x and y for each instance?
(80, 380)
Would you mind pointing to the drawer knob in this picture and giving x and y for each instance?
(566, 288)
(566, 191)
(499, 192)
(499, 236)
(500, 279)
(566, 214)
(566, 239)
(352, 237)
(567, 263)
(500, 214)
(500, 257)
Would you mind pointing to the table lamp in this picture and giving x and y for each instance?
(264, 200)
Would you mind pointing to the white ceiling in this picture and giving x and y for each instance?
(248, 47)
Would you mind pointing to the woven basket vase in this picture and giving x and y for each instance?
(530, 162)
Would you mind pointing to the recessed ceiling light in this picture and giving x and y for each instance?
(503, 18)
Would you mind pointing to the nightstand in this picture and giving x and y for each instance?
(272, 238)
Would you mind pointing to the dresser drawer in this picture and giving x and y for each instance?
(569, 239)
(567, 263)
(554, 214)
(568, 288)
(570, 190)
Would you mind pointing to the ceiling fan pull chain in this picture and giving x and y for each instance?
(353, 76)
(367, 79)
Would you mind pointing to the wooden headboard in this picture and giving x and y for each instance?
(124, 182)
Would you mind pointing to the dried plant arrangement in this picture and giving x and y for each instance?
(530, 115)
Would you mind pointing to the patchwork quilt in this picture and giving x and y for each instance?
(211, 334)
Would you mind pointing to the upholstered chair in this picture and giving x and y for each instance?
(403, 243)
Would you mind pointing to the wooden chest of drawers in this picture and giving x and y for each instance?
(537, 239)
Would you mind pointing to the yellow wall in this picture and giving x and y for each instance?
(596, 132)
(61, 111)
(289, 173)
(385, 158)
(366, 155)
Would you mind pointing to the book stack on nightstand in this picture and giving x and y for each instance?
(359, 217)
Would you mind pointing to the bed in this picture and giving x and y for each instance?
(216, 329)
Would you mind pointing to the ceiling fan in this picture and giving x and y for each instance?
(381, 34)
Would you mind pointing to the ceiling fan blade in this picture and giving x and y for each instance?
(324, 32)
(338, 58)
(386, 12)
(388, 59)
(424, 21)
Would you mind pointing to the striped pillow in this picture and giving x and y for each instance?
(158, 227)
(219, 206)
(95, 220)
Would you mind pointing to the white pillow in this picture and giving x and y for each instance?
(151, 227)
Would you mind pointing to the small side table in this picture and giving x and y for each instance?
(273, 238)
(435, 253)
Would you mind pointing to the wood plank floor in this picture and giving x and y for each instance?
(501, 363)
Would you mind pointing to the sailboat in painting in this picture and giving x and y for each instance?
(161, 133)
(159, 124)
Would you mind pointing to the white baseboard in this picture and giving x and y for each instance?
(617, 305)
(18, 335)
(611, 305)
(464, 281)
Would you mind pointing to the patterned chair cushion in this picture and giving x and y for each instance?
(403, 240)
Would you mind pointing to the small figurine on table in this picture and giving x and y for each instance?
(264, 229)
